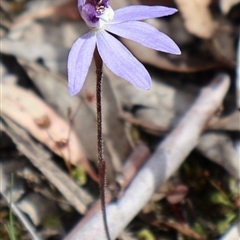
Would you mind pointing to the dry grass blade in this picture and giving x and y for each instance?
(183, 230)
(17, 212)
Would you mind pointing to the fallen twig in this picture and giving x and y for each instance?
(116, 189)
(167, 158)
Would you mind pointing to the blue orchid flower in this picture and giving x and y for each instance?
(124, 22)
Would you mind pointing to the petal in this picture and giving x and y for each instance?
(79, 60)
(121, 62)
(80, 3)
(145, 34)
(141, 12)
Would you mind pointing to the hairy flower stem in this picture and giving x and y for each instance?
(101, 161)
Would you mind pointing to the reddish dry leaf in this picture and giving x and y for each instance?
(177, 194)
(31, 113)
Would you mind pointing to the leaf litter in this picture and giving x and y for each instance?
(36, 38)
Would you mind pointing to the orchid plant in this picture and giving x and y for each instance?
(103, 21)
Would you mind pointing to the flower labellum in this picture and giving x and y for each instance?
(124, 22)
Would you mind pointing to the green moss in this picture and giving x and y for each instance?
(199, 229)
(52, 222)
(79, 175)
(145, 234)
(220, 198)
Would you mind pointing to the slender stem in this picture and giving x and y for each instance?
(101, 161)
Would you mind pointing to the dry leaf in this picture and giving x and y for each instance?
(197, 17)
(219, 148)
(228, 123)
(156, 110)
(177, 194)
(31, 113)
(39, 9)
(226, 5)
(83, 110)
(34, 43)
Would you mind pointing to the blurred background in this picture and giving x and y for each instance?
(48, 164)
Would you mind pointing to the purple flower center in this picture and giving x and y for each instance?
(94, 8)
